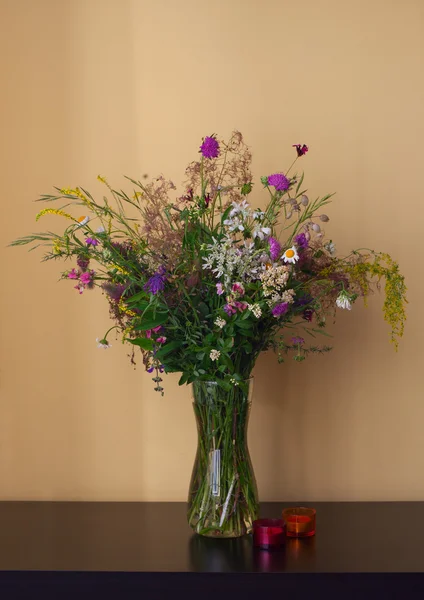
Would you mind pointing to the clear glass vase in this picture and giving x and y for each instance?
(223, 495)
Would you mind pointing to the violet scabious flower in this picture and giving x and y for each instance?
(91, 241)
(156, 283)
(301, 149)
(280, 309)
(274, 248)
(279, 181)
(301, 240)
(210, 147)
(219, 289)
(298, 340)
(73, 274)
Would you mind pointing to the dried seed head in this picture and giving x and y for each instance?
(304, 200)
(324, 218)
(289, 215)
(315, 227)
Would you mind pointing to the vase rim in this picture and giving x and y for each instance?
(216, 383)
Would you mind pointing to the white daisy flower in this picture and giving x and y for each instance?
(103, 344)
(344, 300)
(290, 255)
(83, 220)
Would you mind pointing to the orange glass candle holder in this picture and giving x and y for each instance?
(268, 534)
(300, 521)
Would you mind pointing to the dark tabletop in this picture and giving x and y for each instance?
(154, 538)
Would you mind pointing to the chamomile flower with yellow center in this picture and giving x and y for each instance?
(83, 220)
(290, 255)
(103, 343)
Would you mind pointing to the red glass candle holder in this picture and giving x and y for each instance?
(300, 521)
(269, 534)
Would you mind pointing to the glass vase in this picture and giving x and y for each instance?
(223, 495)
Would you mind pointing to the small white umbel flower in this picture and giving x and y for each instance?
(344, 300)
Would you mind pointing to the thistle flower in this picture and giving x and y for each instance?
(279, 181)
(214, 354)
(274, 248)
(301, 240)
(301, 149)
(210, 147)
(83, 262)
(114, 290)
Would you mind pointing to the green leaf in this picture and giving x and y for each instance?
(300, 183)
(203, 309)
(139, 296)
(150, 321)
(184, 378)
(144, 343)
(167, 348)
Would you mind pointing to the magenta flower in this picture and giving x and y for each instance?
(298, 340)
(87, 277)
(279, 181)
(274, 248)
(307, 314)
(219, 289)
(154, 330)
(73, 274)
(301, 149)
(161, 339)
(210, 147)
(80, 288)
(238, 289)
(280, 309)
(91, 241)
(241, 306)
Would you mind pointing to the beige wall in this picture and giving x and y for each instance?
(126, 87)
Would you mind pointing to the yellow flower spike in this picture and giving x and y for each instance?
(53, 211)
(123, 308)
(102, 179)
(57, 246)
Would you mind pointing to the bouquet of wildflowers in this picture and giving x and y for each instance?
(202, 283)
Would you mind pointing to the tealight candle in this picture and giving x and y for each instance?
(300, 521)
(268, 534)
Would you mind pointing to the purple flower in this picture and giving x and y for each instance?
(210, 147)
(83, 262)
(230, 310)
(219, 288)
(301, 240)
(274, 248)
(301, 149)
(279, 181)
(156, 283)
(298, 340)
(308, 313)
(280, 309)
(91, 241)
